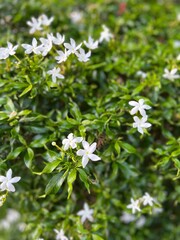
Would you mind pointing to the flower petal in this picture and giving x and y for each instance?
(15, 179)
(9, 174)
(80, 152)
(94, 157)
(92, 148)
(85, 161)
(10, 187)
(85, 145)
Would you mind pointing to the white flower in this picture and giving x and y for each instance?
(71, 47)
(82, 56)
(71, 141)
(91, 44)
(6, 182)
(147, 199)
(139, 106)
(141, 74)
(127, 217)
(105, 34)
(60, 235)
(44, 20)
(76, 16)
(11, 48)
(35, 25)
(134, 205)
(140, 124)
(46, 45)
(86, 213)
(87, 153)
(59, 39)
(55, 74)
(4, 53)
(32, 48)
(171, 75)
(62, 56)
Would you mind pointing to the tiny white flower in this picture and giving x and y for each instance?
(59, 39)
(147, 199)
(46, 45)
(62, 57)
(60, 234)
(139, 106)
(82, 56)
(170, 75)
(72, 47)
(4, 53)
(87, 153)
(91, 44)
(141, 74)
(105, 34)
(7, 182)
(71, 141)
(32, 48)
(127, 217)
(11, 48)
(86, 213)
(55, 73)
(76, 16)
(44, 20)
(134, 206)
(140, 124)
(35, 25)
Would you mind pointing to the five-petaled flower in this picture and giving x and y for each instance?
(171, 75)
(55, 73)
(32, 48)
(134, 206)
(7, 182)
(147, 199)
(87, 153)
(72, 47)
(35, 25)
(82, 56)
(62, 57)
(91, 44)
(140, 124)
(60, 234)
(105, 34)
(86, 213)
(139, 106)
(71, 141)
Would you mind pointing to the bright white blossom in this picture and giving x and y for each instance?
(62, 57)
(7, 182)
(147, 199)
(134, 206)
(140, 124)
(59, 39)
(55, 73)
(82, 56)
(87, 153)
(11, 48)
(60, 234)
(91, 44)
(105, 34)
(72, 47)
(44, 20)
(86, 213)
(141, 74)
(71, 141)
(4, 53)
(32, 48)
(35, 25)
(171, 75)
(46, 45)
(139, 106)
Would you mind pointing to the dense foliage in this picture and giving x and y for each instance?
(92, 102)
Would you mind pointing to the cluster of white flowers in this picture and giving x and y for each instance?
(145, 200)
(86, 153)
(171, 75)
(140, 123)
(60, 234)
(7, 182)
(36, 24)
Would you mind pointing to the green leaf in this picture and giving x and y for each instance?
(97, 237)
(55, 183)
(175, 153)
(84, 178)
(29, 157)
(51, 166)
(26, 90)
(71, 178)
(128, 148)
(14, 154)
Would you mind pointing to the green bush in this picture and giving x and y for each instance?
(126, 179)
